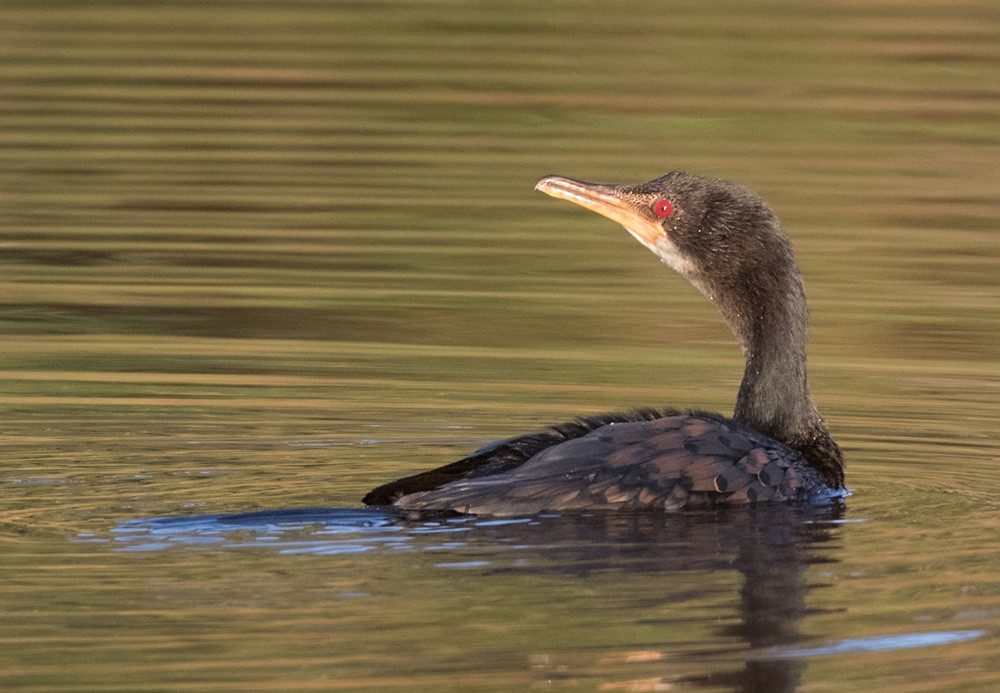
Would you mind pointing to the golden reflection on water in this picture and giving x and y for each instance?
(268, 257)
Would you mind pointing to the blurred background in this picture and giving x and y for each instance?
(271, 254)
(234, 214)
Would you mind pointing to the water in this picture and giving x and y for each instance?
(260, 258)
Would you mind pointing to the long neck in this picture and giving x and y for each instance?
(774, 395)
(770, 320)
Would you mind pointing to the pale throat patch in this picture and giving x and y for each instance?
(666, 251)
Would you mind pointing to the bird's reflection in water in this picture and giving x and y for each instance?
(769, 545)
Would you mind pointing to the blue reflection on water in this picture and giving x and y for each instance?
(883, 643)
(320, 531)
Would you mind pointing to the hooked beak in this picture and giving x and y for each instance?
(607, 201)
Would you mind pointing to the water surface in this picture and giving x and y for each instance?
(261, 258)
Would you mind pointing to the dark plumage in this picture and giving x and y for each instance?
(726, 241)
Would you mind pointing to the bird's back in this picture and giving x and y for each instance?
(648, 459)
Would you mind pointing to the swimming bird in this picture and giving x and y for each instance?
(725, 240)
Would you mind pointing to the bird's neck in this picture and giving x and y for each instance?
(774, 394)
(771, 325)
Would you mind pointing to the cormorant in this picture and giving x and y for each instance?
(726, 241)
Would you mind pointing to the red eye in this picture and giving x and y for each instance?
(663, 208)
